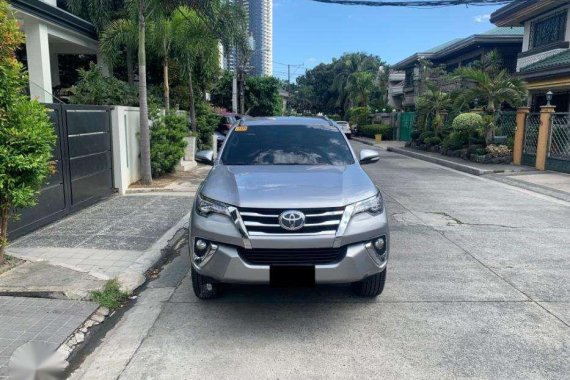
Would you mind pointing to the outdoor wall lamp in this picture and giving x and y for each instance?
(549, 95)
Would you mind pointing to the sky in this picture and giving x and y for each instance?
(306, 33)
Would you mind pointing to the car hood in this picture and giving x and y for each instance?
(276, 186)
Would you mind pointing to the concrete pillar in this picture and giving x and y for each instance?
(54, 63)
(39, 67)
(543, 136)
(522, 113)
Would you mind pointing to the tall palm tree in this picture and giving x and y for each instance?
(230, 27)
(193, 41)
(359, 87)
(494, 88)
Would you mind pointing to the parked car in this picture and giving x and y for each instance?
(345, 126)
(225, 123)
(288, 202)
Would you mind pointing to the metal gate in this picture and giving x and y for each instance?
(407, 120)
(531, 139)
(84, 166)
(559, 143)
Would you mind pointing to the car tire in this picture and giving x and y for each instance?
(371, 286)
(204, 287)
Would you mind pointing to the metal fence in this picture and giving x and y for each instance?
(559, 139)
(531, 133)
(506, 124)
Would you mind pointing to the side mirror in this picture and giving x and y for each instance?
(205, 157)
(368, 156)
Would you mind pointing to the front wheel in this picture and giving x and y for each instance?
(371, 286)
(204, 287)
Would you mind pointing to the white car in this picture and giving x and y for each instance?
(345, 128)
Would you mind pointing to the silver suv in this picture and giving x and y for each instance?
(287, 203)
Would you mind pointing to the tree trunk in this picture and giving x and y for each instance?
(130, 71)
(143, 102)
(191, 98)
(166, 85)
(4, 214)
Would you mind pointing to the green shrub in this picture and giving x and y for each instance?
(435, 140)
(359, 116)
(424, 136)
(206, 123)
(468, 124)
(167, 143)
(95, 88)
(376, 129)
(415, 134)
(454, 141)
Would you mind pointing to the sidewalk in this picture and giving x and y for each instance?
(459, 163)
(385, 145)
(121, 237)
(549, 183)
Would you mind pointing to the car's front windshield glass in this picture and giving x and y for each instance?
(286, 145)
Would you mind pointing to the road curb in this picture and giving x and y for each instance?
(364, 141)
(443, 162)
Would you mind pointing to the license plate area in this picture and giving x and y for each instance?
(285, 276)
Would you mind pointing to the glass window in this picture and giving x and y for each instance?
(287, 145)
(548, 30)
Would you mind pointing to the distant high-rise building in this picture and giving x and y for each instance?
(260, 23)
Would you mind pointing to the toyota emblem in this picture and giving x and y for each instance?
(292, 220)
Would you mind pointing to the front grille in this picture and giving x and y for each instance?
(266, 221)
(318, 256)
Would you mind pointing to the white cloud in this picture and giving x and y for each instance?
(482, 18)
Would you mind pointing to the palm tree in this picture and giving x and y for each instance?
(230, 27)
(119, 34)
(193, 41)
(359, 87)
(494, 89)
(431, 104)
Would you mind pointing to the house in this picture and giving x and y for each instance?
(544, 61)
(396, 88)
(449, 56)
(57, 44)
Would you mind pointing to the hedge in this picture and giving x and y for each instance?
(376, 129)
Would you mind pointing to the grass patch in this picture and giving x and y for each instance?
(111, 296)
(9, 263)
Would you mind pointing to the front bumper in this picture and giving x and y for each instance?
(226, 265)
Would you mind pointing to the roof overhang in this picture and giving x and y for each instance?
(55, 16)
(516, 13)
(411, 60)
(477, 40)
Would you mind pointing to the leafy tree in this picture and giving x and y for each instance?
(27, 138)
(119, 34)
(262, 96)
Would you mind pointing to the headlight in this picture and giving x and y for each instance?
(206, 206)
(373, 205)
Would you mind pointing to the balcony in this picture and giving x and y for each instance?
(397, 89)
(397, 77)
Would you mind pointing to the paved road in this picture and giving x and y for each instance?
(478, 286)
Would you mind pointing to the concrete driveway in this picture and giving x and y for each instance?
(478, 286)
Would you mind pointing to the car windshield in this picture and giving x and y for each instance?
(286, 145)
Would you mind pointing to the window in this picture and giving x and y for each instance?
(548, 30)
(287, 145)
(409, 82)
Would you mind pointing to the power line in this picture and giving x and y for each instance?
(418, 3)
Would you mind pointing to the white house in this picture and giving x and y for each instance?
(52, 34)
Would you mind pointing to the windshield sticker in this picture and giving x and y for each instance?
(241, 128)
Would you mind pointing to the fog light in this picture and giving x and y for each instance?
(200, 247)
(380, 245)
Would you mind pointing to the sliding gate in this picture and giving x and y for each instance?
(84, 166)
